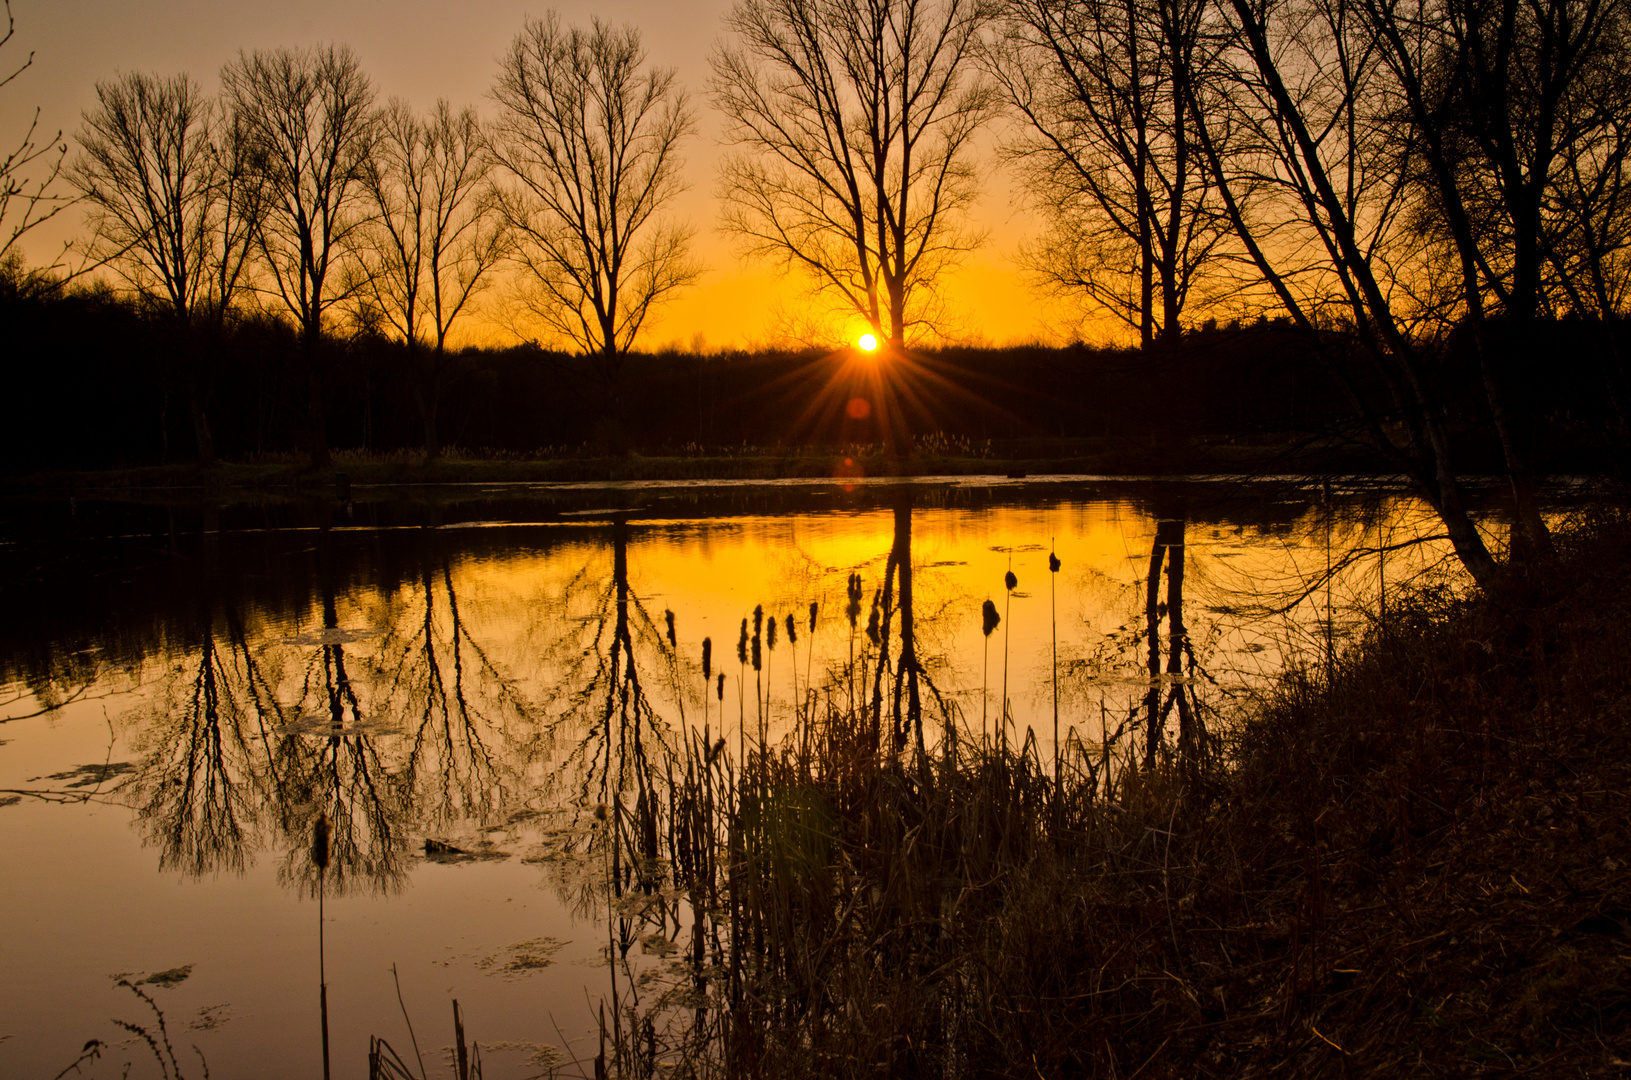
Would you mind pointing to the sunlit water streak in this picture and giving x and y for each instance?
(222, 683)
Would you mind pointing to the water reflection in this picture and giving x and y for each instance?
(404, 720)
(1176, 686)
(550, 681)
(470, 733)
(211, 768)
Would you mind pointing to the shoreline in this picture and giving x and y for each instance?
(1232, 461)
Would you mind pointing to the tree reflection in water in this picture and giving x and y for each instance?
(1176, 685)
(470, 734)
(420, 730)
(215, 765)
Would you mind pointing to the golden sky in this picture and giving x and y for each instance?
(421, 50)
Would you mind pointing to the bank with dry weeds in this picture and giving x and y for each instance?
(1415, 865)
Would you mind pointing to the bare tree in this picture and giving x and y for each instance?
(1331, 235)
(174, 202)
(435, 239)
(854, 122)
(588, 138)
(1111, 158)
(309, 115)
(27, 172)
(1519, 111)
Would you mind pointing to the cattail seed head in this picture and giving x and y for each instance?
(742, 644)
(707, 658)
(989, 617)
(721, 686)
(668, 617)
(792, 630)
(1010, 580)
(1053, 562)
(770, 634)
(319, 842)
(814, 607)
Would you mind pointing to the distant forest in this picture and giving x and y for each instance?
(94, 382)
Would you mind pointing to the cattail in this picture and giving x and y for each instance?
(715, 750)
(721, 686)
(770, 633)
(707, 658)
(853, 609)
(1053, 562)
(758, 619)
(872, 621)
(758, 656)
(989, 617)
(1010, 580)
(668, 616)
(742, 645)
(792, 630)
(813, 608)
(319, 842)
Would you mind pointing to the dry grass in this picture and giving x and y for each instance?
(1416, 868)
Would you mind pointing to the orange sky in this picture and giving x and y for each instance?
(421, 50)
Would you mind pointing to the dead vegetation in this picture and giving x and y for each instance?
(1414, 865)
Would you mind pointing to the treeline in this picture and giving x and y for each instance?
(97, 383)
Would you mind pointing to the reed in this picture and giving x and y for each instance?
(1364, 884)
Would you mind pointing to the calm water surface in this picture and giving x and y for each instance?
(186, 689)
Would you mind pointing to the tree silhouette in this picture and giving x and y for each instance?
(1111, 159)
(27, 172)
(854, 125)
(175, 200)
(434, 242)
(309, 116)
(588, 139)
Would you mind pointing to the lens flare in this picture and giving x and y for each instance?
(867, 342)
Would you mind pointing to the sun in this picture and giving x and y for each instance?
(867, 342)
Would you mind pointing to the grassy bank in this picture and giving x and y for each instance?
(1414, 865)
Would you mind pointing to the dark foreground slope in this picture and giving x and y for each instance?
(1434, 861)
(1419, 865)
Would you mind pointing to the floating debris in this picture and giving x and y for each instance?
(441, 851)
(167, 979)
(515, 961)
(211, 1017)
(84, 776)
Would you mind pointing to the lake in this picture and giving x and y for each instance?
(472, 688)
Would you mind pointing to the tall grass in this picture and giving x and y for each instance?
(1410, 860)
